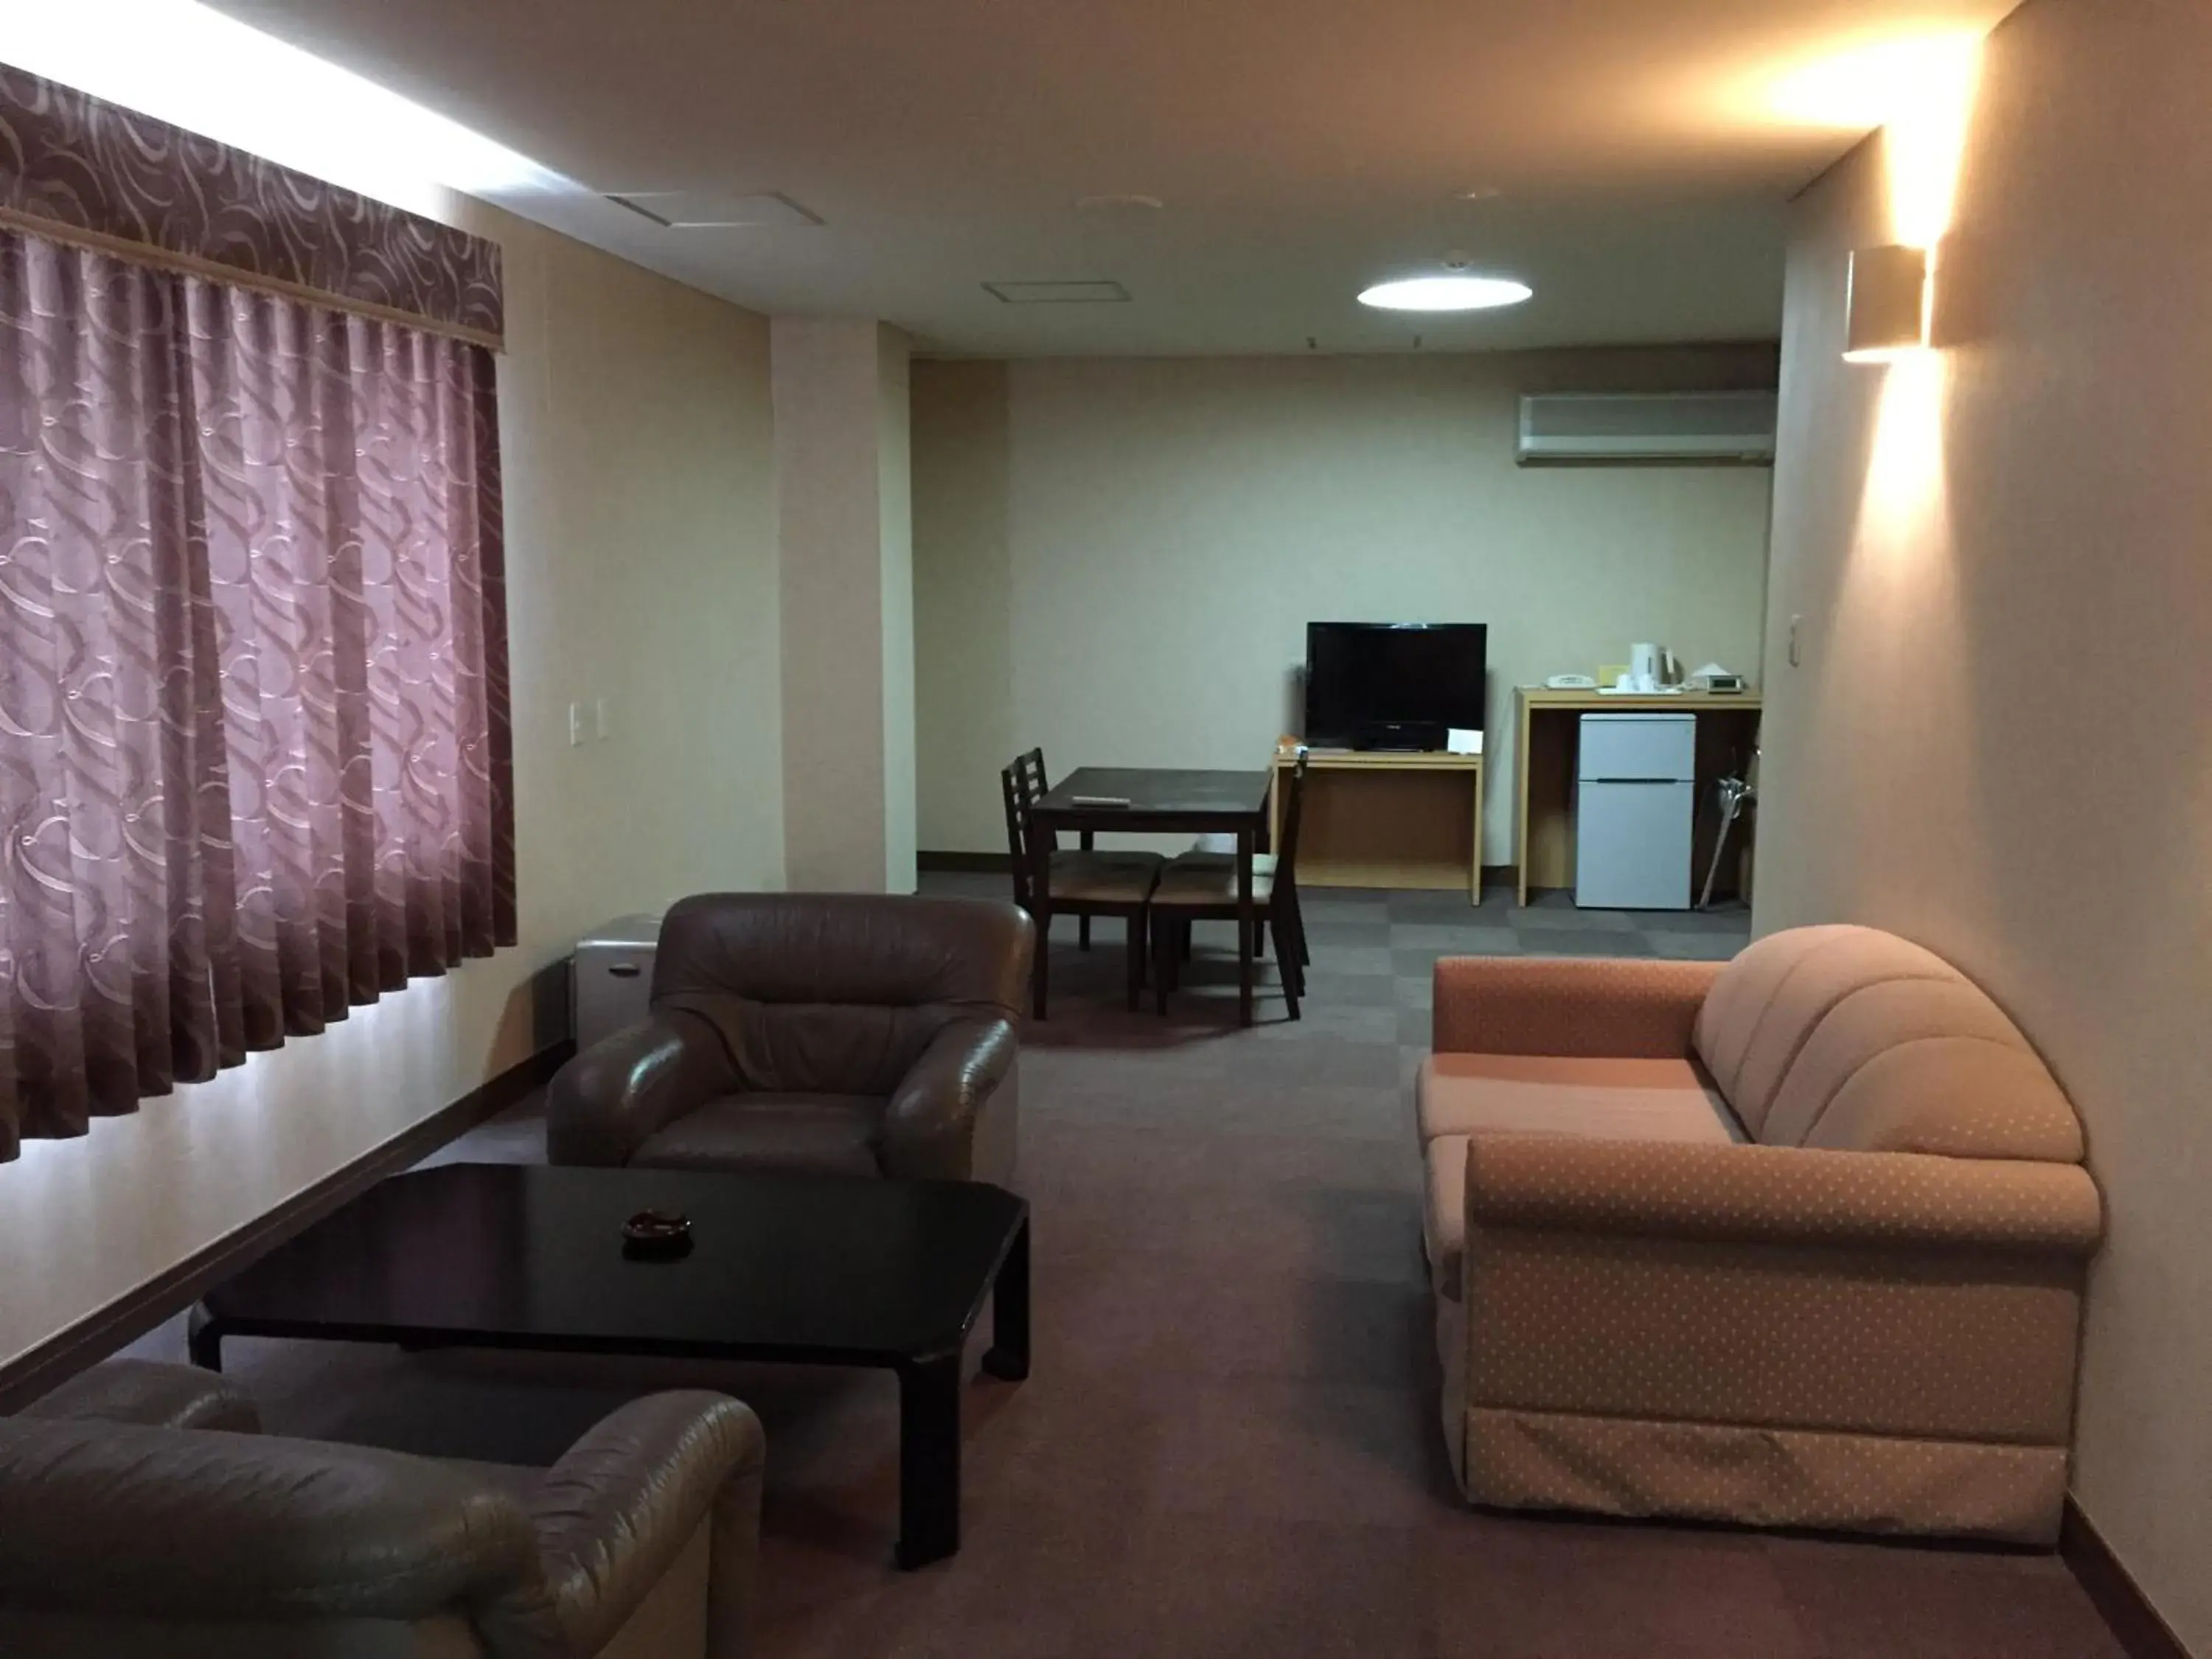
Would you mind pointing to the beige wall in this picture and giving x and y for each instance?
(1117, 559)
(844, 517)
(894, 495)
(640, 568)
(2000, 740)
(964, 603)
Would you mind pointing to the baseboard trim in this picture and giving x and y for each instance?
(2112, 1590)
(100, 1334)
(1493, 875)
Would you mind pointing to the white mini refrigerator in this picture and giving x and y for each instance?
(1636, 801)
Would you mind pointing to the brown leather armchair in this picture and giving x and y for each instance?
(139, 1515)
(836, 1033)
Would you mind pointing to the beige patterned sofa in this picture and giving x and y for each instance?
(1796, 1240)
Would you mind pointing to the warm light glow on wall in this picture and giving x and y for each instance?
(1920, 91)
(1904, 497)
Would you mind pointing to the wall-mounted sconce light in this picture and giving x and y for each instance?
(1888, 304)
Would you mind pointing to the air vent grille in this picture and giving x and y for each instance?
(1087, 293)
(694, 209)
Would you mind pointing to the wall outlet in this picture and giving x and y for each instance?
(576, 725)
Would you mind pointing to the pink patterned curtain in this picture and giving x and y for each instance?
(254, 755)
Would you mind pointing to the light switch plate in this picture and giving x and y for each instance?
(575, 724)
(600, 718)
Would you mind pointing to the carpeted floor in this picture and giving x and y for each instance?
(1229, 1445)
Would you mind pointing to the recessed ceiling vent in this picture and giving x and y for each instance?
(699, 209)
(1060, 293)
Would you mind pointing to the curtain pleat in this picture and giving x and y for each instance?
(255, 763)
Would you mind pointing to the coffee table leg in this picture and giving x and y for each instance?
(204, 1339)
(929, 1460)
(1008, 1355)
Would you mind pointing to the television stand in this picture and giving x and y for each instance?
(1399, 738)
(1379, 818)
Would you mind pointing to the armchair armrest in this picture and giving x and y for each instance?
(1780, 1195)
(619, 1507)
(150, 1395)
(1575, 1008)
(609, 1098)
(127, 1519)
(931, 1120)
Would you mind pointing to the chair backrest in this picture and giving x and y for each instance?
(1286, 855)
(1030, 763)
(1854, 1039)
(838, 992)
(1012, 791)
(1022, 785)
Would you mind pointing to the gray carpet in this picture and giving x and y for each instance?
(1229, 1445)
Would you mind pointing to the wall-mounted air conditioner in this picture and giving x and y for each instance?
(1624, 429)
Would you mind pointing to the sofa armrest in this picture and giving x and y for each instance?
(1578, 1008)
(1891, 1295)
(609, 1098)
(1780, 1195)
(118, 1519)
(150, 1395)
(613, 1515)
(930, 1123)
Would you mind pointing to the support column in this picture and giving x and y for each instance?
(844, 494)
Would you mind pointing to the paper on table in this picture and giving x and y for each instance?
(1459, 741)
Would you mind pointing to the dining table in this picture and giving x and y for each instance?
(1152, 800)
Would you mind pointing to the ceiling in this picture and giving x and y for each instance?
(1302, 149)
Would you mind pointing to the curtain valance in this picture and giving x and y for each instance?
(74, 168)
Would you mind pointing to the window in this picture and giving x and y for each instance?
(254, 758)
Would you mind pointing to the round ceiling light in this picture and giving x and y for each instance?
(1454, 293)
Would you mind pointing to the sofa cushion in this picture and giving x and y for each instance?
(1957, 1098)
(1459, 1095)
(1767, 1003)
(1921, 1065)
(816, 1135)
(1610, 1099)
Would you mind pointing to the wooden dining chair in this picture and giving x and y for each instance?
(1085, 882)
(1202, 887)
(1263, 864)
(1031, 763)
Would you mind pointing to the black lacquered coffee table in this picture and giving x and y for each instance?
(810, 1269)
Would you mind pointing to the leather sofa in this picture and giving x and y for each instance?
(1796, 1240)
(833, 1033)
(142, 1515)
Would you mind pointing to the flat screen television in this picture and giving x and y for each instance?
(1394, 685)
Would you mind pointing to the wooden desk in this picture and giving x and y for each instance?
(1546, 733)
(1374, 819)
